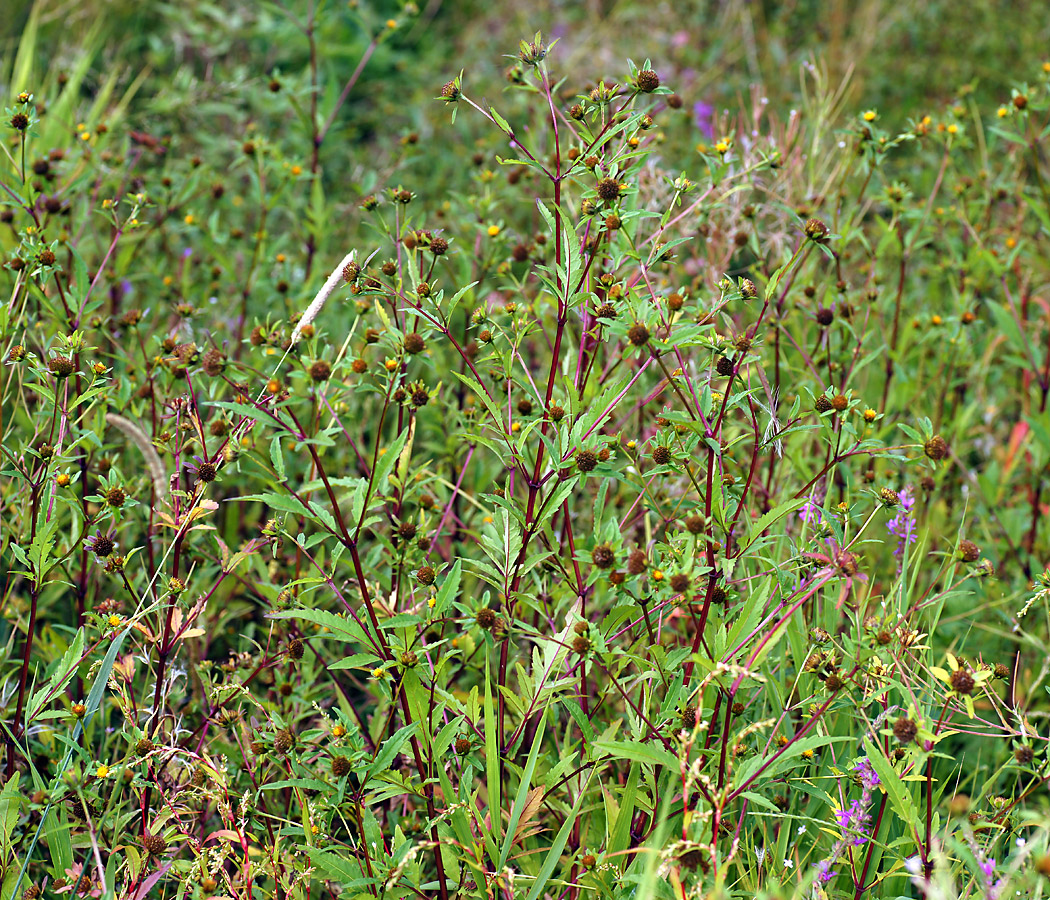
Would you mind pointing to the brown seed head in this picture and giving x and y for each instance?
(816, 230)
(635, 562)
(61, 366)
(485, 618)
(425, 575)
(936, 448)
(648, 81)
(968, 551)
(962, 681)
(341, 766)
(638, 334)
(603, 556)
(154, 844)
(586, 460)
(661, 455)
(608, 189)
(905, 730)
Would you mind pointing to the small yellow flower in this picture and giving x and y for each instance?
(723, 146)
(807, 754)
(431, 602)
(936, 320)
(379, 673)
(85, 135)
(634, 142)
(487, 520)
(314, 829)
(99, 368)
(273, 386)
(101, 771)
(953, 128)
(1002, 112)
(338, 731)
(870, 115)
(62, 479)
(515, 427)
(1046, 67)
(79, 710)
(631, 445)
(281, 257)
(391, 365)
(870, 415)
(107, 203)
(1011, 243)
(81, 126)
(391, 24)
(297, 170)
(702, 148)
(657, 575)
(493, 230)
(114, 621)
(188, 218)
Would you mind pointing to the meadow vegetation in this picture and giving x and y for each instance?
(442, 459)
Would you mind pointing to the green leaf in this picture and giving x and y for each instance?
(636, 751)
(277, 457)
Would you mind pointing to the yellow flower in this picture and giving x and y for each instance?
(62, 479)
(1011, 243)
(493, 230)
(391, 365)
(936, 320)
(85, 135)
(431, 602)
(101, 771)
(338, 731)
(870, 415)
(391, 23)
(379, 673)
(870, 115)
(722, 146)
(953, 128)
(114, 621)
(188, 218)
(1002, 112)
(657, 575)
(297, 170)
